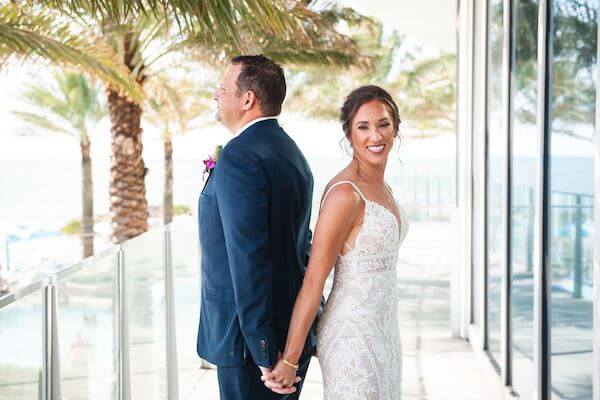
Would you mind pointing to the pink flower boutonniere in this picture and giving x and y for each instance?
(211, 162)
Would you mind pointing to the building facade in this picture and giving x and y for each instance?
(526, 291)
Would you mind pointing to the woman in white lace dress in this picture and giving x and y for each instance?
(358, 233)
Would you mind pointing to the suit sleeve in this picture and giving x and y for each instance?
(243, 199)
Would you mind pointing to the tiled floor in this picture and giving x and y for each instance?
(436, 366)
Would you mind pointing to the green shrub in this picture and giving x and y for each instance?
(180, 209)
(72, 227)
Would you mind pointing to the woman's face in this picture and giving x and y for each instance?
(372, 133)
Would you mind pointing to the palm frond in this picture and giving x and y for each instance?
(44, 35)
(68, 104)
(218, 17)
(235, 26)
(175, 102)
(40, 121)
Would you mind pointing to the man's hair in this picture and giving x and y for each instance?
(263, 77)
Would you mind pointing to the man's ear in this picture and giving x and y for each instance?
(249, 99)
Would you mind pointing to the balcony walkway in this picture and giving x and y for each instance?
(436, 366)
(93, 326)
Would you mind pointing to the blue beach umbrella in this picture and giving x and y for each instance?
(568, 230)
(21, 232)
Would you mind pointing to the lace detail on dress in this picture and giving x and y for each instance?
(358, 336)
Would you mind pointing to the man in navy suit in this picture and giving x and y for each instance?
(254, 214)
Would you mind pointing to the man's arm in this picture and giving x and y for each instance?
(242, 196)
(308, 247)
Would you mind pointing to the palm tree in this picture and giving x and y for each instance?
(70, 106)
(170, 106)
(426, 93)
(146, 33)
(27, 33)
(423, 86)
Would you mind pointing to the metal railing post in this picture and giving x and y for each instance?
(124, 377)
(530, 228)
(578, 250)
(51, 358)
(172, 370)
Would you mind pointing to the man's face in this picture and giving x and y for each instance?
(229, 101)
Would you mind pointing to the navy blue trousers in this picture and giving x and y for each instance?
(243, 383)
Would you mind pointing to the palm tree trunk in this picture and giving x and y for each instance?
(168, 189)
(87, 198)
(128, 205)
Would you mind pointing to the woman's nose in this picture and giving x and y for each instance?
(375, 134)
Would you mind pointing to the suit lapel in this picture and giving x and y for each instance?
(210, 174)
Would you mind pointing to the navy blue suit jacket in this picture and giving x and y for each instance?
(254, 215)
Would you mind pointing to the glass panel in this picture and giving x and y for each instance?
(21, 333)
(496, 178)
(524, 179)
(186, 277)
(572, 186)
(87, 330)
(145, 280)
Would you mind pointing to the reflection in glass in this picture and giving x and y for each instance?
(21, 333)
(571, 208)
(524, 148)
(496, 178)
(87, 321)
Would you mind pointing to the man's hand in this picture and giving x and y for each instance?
(264, 370)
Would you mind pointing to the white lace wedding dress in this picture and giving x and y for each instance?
(358, 339)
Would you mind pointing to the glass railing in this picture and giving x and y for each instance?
(572, 234)
(105, 328)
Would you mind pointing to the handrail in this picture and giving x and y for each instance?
(50, 289)
(21, 292)
(38, 284)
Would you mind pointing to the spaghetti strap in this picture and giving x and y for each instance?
(339, 183)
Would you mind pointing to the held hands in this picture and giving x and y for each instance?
(282, 378)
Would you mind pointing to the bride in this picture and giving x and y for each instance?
(359, 231)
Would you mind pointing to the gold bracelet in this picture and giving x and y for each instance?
(286, 362)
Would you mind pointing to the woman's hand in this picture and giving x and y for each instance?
(282, 376)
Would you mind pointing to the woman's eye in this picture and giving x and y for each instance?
(385, 125)
(362, 127)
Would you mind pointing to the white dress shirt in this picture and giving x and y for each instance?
(250, 123)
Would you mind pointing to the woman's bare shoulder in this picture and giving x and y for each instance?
(343, 176)
(341, 193)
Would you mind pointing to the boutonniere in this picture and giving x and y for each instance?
(211, 162)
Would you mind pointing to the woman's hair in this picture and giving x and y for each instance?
(363, 95)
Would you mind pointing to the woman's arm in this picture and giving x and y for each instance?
(337, 218)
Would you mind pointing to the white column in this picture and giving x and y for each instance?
(460, 288)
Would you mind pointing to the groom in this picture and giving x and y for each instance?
(254, 214)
